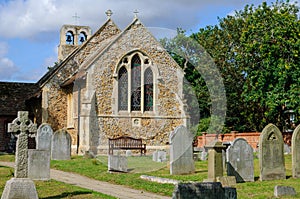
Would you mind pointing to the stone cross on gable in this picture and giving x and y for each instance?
(22, 127)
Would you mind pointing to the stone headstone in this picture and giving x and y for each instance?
(44, 137)
(117, 163)
(207, 190)
(128, 153)
(203, 156)
(39, 164)
(181, 151)
(240, 161)
(61, 145)
(159, 156)
(23, 127)
(296, 153)
(154, 156)
(284, 191)
(19, 188)
(287, 149)
(271, 156)
(215, 162)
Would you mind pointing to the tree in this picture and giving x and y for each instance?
(257, 52)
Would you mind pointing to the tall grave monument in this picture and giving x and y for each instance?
(181, 151)
(271, 155)
(21, 186)
(296, 153)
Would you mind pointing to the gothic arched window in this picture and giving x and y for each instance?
(123, 89)
(148, 90)
(136, 83)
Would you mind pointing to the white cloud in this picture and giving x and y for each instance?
(7, 69)
(28, 18)
(7, 66)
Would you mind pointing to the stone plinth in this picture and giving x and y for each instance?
(215, 164)
(19, 188)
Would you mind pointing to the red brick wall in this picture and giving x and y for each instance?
(251, 137)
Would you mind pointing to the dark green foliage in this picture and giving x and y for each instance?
(257, 53)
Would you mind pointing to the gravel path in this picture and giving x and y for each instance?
(117, 191)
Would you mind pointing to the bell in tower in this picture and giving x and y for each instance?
(71, 37)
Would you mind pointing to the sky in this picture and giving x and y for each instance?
(29, 29)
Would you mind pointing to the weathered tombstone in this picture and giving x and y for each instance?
(271, 156)
(61, 145)
(240, 161)
(21, 186)
(159, 156)
(284, 191)
(181, 151)
(296, 153)
(155, 156)
(44, 137)
(38, 164)
(207, 190)
(203, 155)
(117, 163)
(39, 159)
(215, 163)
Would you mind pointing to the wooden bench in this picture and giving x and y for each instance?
(126, 143)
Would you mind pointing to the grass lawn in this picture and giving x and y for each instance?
(97, 169)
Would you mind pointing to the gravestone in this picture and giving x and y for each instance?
(296, 153)
(271, 156)
(215, 163)
(284, 191)
(207, 190)
(44, 137)
(240, 161)
(21, 186)
(117, 163)
(39, 159)
(181, 151)
(159, 156)
(38, 164)
(61, 145)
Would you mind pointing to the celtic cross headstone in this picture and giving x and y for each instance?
(23, 128)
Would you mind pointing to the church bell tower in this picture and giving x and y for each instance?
(72, 36)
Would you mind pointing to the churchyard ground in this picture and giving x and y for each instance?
(97, 169)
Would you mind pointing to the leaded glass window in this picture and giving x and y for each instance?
(148, 90)
(135, 83)
(123, 89)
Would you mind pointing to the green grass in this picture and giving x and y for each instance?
(97, 169)
(50, 189)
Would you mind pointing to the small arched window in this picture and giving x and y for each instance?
(123, 89)
(148, 90)
(70, 38)
(82, 37)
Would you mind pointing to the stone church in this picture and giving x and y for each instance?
(107, 84)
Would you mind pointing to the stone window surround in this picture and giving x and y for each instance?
(146, 62)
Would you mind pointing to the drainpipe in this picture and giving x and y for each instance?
(78, 115)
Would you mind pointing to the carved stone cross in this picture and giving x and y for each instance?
(22, 127)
